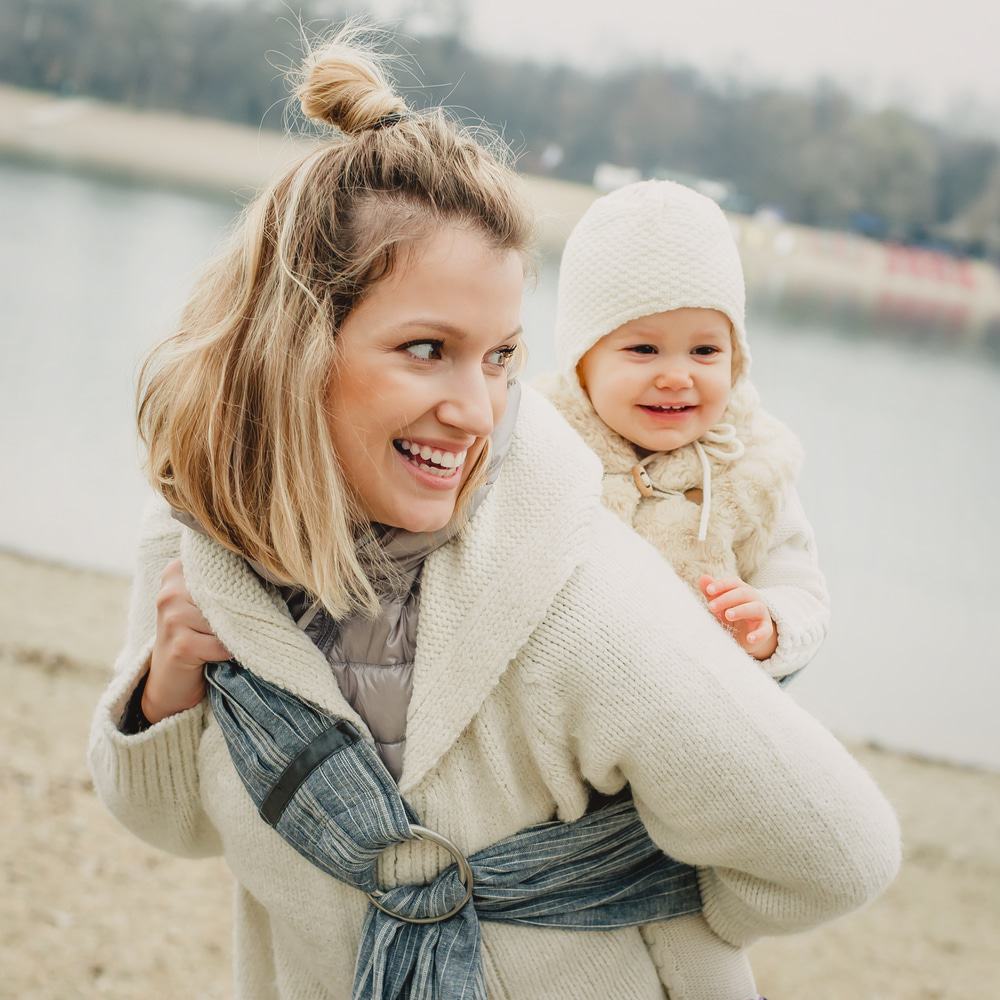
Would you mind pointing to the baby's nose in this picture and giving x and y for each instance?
(673, 377)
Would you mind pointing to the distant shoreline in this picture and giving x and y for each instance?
(201, 155)
(917, 291)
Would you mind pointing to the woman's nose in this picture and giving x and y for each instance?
(469, 407)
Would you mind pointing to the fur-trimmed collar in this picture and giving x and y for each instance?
(746, 493)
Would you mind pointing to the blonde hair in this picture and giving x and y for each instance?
(232, 407)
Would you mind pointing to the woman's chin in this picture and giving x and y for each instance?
(418, 519)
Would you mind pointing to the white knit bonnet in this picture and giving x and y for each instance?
(643, 249)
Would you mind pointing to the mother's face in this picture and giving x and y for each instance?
(421, 378)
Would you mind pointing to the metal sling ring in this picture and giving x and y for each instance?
(464, 873)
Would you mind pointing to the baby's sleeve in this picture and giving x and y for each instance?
(794, 589)
(149, 780)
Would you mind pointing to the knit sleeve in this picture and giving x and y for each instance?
(149, 780)
(794, 590)
(631, 681)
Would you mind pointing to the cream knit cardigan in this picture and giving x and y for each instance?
(554, 651)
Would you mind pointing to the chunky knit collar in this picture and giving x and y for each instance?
(482, 593)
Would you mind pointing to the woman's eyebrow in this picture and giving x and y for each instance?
(447, 328)
(434, 324)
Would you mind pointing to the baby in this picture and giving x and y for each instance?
(652, 372)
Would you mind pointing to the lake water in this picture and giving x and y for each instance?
(900, 478)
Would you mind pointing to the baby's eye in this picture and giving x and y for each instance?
(705, 350)
(642, 349)
(501, 356)
(425, 350)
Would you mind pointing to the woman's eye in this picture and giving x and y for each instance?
(642, 349)
(425, 350)
(501, 356)
(705, 350)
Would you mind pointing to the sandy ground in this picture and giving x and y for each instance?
(88, 911)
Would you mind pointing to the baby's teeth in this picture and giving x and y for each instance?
(447, 459)
(425, 453)
(414, 449)
(435, 457)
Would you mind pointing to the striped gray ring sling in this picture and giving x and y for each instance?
(326, 791)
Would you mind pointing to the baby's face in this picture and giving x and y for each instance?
(661, 381)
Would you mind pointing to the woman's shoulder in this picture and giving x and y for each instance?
(625, 629)
(564, 392)
(547, 456)
(546, 507)
(158, 523)
(624, 595)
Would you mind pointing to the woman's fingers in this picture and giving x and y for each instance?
(190, 615)
(195, 648)
(180, 621)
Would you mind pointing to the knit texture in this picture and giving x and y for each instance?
(555, 653)
(647, 248)
(695, 964)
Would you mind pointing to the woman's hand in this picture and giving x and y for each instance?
(184, 644)
(742, 610)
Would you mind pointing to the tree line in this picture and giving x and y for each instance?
(817, 157)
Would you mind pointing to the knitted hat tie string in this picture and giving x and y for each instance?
(721, 443)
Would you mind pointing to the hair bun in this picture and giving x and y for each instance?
(344, 86)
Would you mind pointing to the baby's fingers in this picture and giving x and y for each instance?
(718, 587)
(731, 599)
(754, 612)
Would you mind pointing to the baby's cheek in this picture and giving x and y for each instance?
(614, 409)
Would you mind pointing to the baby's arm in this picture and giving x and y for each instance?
(782, 613)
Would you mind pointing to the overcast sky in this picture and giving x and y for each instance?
(928, 56)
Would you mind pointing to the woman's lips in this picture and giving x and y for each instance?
(424, 473)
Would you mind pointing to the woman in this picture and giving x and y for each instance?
(369, 491)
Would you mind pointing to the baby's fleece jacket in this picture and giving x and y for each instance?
(757, 528)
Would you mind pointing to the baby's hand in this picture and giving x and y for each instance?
(742, 610)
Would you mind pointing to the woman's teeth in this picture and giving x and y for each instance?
(441, 463)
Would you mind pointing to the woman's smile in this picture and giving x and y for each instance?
(435, 468)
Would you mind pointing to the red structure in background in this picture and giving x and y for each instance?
(929, 264)
(920, 301)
